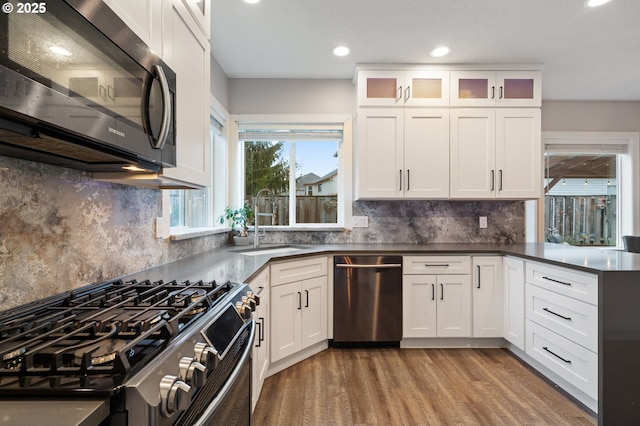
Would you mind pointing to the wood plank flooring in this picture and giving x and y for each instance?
(394, 386)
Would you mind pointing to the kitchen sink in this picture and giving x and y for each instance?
(259, 251)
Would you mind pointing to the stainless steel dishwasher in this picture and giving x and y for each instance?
(367, 299)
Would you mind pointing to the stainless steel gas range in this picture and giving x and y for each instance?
(130, 353)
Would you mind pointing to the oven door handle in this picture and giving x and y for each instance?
(205, 417)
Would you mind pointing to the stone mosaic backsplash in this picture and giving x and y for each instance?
(418, 222)
(60, 229)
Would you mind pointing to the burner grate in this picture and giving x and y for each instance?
(99, 332)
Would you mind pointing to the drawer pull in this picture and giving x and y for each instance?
(556, 355)
(558, 315)
(556, 281)
(435, 265)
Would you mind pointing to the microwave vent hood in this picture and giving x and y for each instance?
(26, 142)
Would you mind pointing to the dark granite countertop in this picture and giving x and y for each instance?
(226, 263)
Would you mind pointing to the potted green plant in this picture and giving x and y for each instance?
(239, 218)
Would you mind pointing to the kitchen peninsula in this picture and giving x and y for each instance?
(618, 290)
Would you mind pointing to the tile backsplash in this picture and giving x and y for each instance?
(60, 229)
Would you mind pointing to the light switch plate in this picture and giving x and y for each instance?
(360, 221)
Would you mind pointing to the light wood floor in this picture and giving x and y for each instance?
(414, 387)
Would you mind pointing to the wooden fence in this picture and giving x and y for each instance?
(309, 209)
(581, 220)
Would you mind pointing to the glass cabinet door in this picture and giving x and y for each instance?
(380, 88)
(519, 88)
(473, 88)
(426, 88)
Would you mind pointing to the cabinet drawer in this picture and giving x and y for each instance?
(436, 264)
(298, 270)
(570, 318)
(579, 285)
(572, 362)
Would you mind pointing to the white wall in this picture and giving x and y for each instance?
(594, 116)
(291, 96)
(219, 83)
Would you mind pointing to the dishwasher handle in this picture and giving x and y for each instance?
(382, 266)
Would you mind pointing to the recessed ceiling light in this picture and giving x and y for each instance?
(252, 1)
(594, 3)
(341, 50)
(439, 52)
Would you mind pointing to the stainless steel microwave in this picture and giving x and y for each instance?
(79, 89)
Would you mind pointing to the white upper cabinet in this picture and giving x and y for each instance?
(496, 153)
(403, 153)
(144, 17)
(201, 12)
(186, 51)
(403, 88)
(496, 88)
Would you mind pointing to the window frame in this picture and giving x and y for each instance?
(345, 161)
(217, 189)
(628, 198)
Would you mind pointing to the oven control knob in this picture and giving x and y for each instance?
(255, 297)
(192, 372)
(175, 395)
(249, 302)
(206, 355)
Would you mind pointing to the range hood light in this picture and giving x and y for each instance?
(60, 51)
(134, 169)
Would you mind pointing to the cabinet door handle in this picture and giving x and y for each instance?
(407, 93)
(259, 340)
(400, 180)
(500, 93)
(306, 293)
(478, 276)
(399, 93)
(433, 292)
(493, 180)
(493, 92)
(408, 180)
(556, 314)
(441, 291)
(299, 301)
(500, 180)
(568, 361)
(436, 265)
(261, 329)
(556, 281)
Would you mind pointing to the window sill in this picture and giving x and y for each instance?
(187, 233)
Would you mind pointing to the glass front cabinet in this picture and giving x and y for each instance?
(403, 88)
(496, 89)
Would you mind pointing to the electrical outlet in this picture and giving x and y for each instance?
(360, 221)
(483, 221)
(159, 225)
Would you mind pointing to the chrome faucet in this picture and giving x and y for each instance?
(257, 236)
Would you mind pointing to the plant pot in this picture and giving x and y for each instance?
(241, 241)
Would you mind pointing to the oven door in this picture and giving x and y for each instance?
(231, 405)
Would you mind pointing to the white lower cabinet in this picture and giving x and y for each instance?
(562, 327)
(436, 305)
(298, 306)
(260, 355)
(487, 296)
(513, 297)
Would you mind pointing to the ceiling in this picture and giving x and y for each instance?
(586, 53)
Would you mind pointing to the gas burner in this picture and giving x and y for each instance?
(100, 353)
